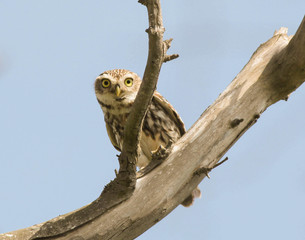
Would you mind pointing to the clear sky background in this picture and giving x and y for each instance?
(55, 153)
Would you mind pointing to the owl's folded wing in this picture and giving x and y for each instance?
(157, 97)
(112, 137)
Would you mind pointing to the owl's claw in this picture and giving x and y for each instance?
(157, 157)
(159, 153)
(169, 144)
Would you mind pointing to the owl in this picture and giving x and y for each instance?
(116, 91)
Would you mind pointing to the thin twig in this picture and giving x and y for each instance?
(205, 170)
(167, 45)
(170, 57)
(144, 2)
(221, 162)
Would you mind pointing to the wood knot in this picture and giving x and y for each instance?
(234, 123)
(256, 116)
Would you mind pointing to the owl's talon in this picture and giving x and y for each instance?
(160, 153)
(157, 157)
(169, 144)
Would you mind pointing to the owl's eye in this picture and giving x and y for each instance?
(128, 82)
(106, 83)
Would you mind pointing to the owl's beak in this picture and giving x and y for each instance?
(117, 90)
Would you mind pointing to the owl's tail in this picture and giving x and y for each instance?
(190, 199)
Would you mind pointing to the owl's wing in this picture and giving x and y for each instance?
(158, 98)
(112, 137)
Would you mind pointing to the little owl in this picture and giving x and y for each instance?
(116, 91)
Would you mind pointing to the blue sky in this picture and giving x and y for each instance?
(55, 154)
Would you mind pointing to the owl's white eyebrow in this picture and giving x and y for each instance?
(128, 76)
(103, 76)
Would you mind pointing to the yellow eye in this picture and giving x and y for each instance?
(106, 83)
(128, 82)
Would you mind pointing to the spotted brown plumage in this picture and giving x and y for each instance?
(116, 91)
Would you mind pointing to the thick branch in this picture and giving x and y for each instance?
(274, 71)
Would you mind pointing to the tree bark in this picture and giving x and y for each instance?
(275, 70)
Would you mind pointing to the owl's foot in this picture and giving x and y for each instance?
(159, 153)
(157, 157)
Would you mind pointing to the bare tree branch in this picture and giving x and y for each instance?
(157, 51)
(275, 70)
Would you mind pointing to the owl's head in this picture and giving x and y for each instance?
(117, 87)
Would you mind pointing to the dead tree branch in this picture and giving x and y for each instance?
(275, 70)
(156, 55)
